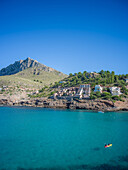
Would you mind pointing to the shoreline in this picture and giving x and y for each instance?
(83, 110)
(87, 105)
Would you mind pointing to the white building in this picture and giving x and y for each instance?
(115, 91)
(126, 80)
(64, 90)
(98, 88)
(4, 87)
(87, 90)
(54, 95)
(36, 92)
(83, 91)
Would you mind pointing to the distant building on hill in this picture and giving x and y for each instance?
(126, 80)
(54, 95)
(62, 82)
(83, 91)
(115, 91)
(98, 88)
(4, 87)
(36, 92)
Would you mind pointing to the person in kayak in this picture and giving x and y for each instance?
(106, 146)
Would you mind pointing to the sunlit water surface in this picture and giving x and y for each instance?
(62, 139)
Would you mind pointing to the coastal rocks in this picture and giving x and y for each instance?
(3, 102)
(96, 105)
(43, 103)
(55, 103)
(121, 105)
(93, 105)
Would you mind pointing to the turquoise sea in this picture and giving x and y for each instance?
(38, 138)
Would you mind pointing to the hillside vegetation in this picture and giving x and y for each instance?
(104, 78)
(34, 76)
(27, 79)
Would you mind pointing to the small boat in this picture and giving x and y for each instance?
(100, 112)
(107, 146)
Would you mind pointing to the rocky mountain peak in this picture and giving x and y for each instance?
(22, 65)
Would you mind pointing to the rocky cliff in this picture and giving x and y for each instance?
(95, 105)
(24, 64)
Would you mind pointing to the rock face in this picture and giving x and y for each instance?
(95, 105)
(22, 65)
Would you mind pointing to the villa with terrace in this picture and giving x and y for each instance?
(115, 91)
(98, 88)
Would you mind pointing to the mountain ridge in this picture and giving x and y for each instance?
(21, 65)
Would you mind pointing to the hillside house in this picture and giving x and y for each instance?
(64, 90)
(54, 95)
(87, 90)
(83, 91)
(126, 80)
(4, 87)
(36, 92)
(98, 88)
(115, 91)
(62, 82)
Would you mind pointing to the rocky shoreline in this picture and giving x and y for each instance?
(96, 105)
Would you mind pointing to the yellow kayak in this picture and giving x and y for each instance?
(107, 146)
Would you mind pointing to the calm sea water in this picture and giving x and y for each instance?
(62, 139)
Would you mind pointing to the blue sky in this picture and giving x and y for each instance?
(68, 35)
